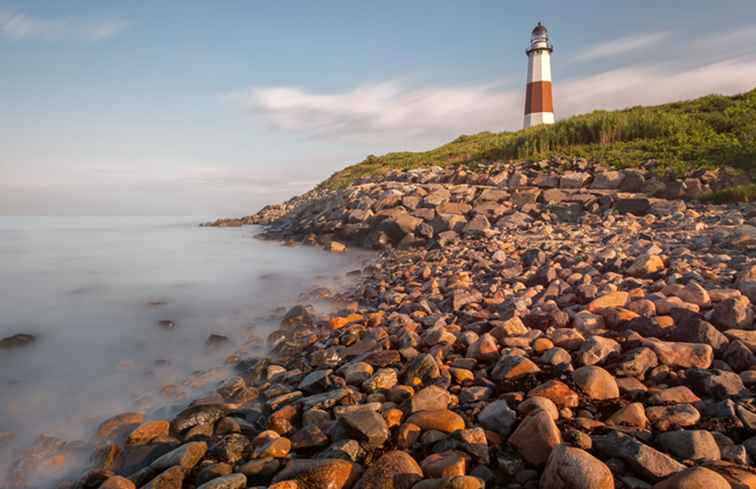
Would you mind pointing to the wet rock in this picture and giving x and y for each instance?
(316, 473)
(231, 481)
(209, 471)
(573, 468)
(186, 456)
(230, 448)
(17, 340)
(119, 425)
(370, 426)
(117, 482)
(263, 468)
(170, 478)
(197, 415)
(336, 247)
(394, 470)
(217, 342)
(148, 432)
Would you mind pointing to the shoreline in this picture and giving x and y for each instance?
(498, 341)
(49, 452)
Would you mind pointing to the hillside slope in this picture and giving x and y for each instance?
(707, 132)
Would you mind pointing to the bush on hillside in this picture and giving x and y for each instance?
(707, 132)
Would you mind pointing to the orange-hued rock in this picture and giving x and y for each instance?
(646, 264)
(610, 300)
(327, 472)
(573, 468)
(149, 431)
(375, 318)
(445, 464)
(117, 482)
(558, 392)
(438, 419)
(694, 478)
(119, 425)
(535, 436)
(393, 417)
(339, 322)
(394, 470)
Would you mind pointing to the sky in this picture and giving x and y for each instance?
(218, 108)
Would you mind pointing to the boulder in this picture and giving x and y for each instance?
(646, 461)
(596, 383)
(698, 445)
(324, 472)
(572, 468)
(394, 470)
(535, 436)
(694, 478)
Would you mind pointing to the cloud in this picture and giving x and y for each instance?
(390, 112)
(15, 25)
(377, 110)
(619, 47)
(736, 42)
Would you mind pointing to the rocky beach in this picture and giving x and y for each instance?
(537, 325)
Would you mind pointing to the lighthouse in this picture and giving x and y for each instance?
(538, 102)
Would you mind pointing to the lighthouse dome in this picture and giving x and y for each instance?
(539, 30)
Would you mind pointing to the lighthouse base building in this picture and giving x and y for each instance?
(539, 107)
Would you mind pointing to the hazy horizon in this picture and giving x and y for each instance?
(194, 108)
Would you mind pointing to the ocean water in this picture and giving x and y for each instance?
(93, 291)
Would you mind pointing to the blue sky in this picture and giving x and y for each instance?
(216, 108)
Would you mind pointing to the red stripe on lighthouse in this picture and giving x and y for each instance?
(538, 97)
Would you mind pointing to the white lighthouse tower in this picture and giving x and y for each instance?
(538, 101)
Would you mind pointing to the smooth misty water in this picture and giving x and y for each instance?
(84, 287)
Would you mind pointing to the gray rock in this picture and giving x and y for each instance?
(716, 383)
(695, 445)
(733, 313)
(498, 416)
(231, 481)
(369, 425)
(646, 461)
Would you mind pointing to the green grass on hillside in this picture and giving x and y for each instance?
(707, 132)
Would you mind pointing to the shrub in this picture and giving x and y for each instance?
(707, 132)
